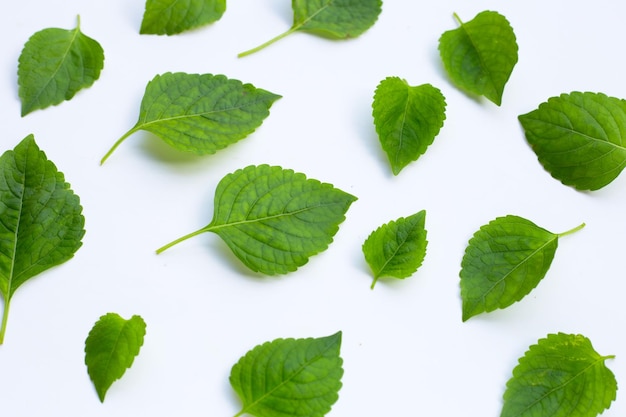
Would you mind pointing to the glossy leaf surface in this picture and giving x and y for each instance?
(169, 17)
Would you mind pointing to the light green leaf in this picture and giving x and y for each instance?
(333, 19)
(504, 261)
(289, 377)
(407, 119)
(54, 65)
(480, 55)
(561, 376)
(200, 113)
(579, 138)
(169, 17)
(397, 249)
(41, 221)
(111, 348)
(274, 219)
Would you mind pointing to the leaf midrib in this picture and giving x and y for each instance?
(312, 16)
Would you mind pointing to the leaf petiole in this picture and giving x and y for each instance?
(268, 43)
(180, 239)
(457, 18)
(5, 317)
(574, 230)
(116, 144)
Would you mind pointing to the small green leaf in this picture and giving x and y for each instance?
(289, 377)
(333, 19)
(169, 17)
(41, 221)
(110, 349)
(579, 138)
(407, 119)
(54, 65)
(561, 376)
(479, 56)
(200, 113)
(274, 219)
(504, 261)
(397, 249)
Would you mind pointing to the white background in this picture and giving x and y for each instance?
(405, 349)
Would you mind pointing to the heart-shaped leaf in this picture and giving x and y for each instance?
(169, 17)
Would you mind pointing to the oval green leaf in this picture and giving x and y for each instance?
(42, 223)
(54, 65)
(111, 348)
(169, 17)
(479, 56)
(407, 119)
(579, 138)
(200, 113)
(398, 248)
(289, 377)
(504, 261)
(275, 219)
(561, 376)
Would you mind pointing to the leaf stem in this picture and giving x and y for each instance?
(374, 283)
(457, 18)
(569, 232)
(116, 144)
(180, 239)
(5, 317)
(268, 43)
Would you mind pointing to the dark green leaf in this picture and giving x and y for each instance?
(169, 17)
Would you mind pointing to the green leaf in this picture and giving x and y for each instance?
(54, 65)
(561, 376)
(333, 19)
(397, 249)
(110, 349)
(407, 119)
(200, 113)
(479, 56)
(504, 261)
(41, 221)
(274, 219)
(169, 17)
(579, 138)
(289, 377)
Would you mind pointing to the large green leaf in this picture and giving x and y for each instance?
(397, 249)
(561, 376)
(41, 221)
(289, 377)
(274, 219)
(169, 17)
(54, 65)
(504, 261)
(334, 19)
(111, 348)
(579, 138)
(200, 113)
(479, 56)
(407, 119)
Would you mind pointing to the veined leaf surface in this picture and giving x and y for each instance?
(275, 219)
(407, 119)
(111, 348)
(200, 113)
(397, 249)
(579, 138)
(169, 17)
(289, 377)
(333, 19)
(54, 65)
(561, 376)
(41, 221)
(479, 56)
(504, 261)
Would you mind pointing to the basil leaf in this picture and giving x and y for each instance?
(54, 65)
(504, 261)
(111, 348)
(333, 19)
(397, 249)
(479, 56)
(561, 376)
(289, 377)
(407, 119)
(42, 223)
(274, 219)
(200, 113)
(169, 17)
(579, 138)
